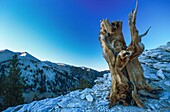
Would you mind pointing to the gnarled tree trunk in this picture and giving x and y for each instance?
(127, 74)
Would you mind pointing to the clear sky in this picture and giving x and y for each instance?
(67, 31)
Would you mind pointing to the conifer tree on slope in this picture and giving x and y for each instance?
(2, 84)
(14, 85)
(2, 79)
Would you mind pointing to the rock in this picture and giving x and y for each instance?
(103, 103)
(167, 74)
(105, 76)
(97, 87)
(72, 105)
(87, 90)
(152, 77)
(63, 102)
(166, 95)
(165, 104)
(118, 108)
(75, 103)
(82, 97)
(99, 80)
(148, 110)
(74, 93)
(169, 101)
(167, 83)
(160, 74)
(89, 98)
(157, 105)
(109, 77)
(72, 110)
(54, 109)
(102, 109)
(162, 65)
(152, 106)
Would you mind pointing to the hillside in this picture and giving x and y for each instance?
(44, 79)
(156, 65)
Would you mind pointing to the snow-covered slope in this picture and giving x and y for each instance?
(6, 54)
(156, 64)
(44, 79)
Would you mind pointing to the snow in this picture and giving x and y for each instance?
(156, 70)
(67, 75)
(23, 54)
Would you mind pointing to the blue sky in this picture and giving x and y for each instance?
(67, 31)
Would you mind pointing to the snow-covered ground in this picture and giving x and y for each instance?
(156, 65)
(44, 79)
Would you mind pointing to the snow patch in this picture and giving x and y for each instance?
(23, 54)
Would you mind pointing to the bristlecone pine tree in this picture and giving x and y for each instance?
(12, 95)
(128, 82)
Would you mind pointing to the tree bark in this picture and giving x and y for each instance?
(127, 74)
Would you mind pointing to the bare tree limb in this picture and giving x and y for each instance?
(142, 35)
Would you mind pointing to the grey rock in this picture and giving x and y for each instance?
(169, 101)
(102, 109)
(149, 110)
(74, 104)
(167, 83)
(152, 106)
(105, 76)
(82, 96)
(160, 74)
(158, 105)
(77, 103)
(97, 87)
(99, 80)
(72, 110)
(109, 77)
(167, 75)
(89, 97)
(162, 65)
(86, 91)
(75, 93)
(166, 95)
(55, 109)
(152, 77)
(103, 103)
(63, 102)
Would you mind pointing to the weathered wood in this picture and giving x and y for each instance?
(126, 71)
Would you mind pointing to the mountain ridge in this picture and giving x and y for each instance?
(47, 79)
(155, 63)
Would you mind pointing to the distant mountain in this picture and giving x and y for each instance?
(45, 79)
(156, 65)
